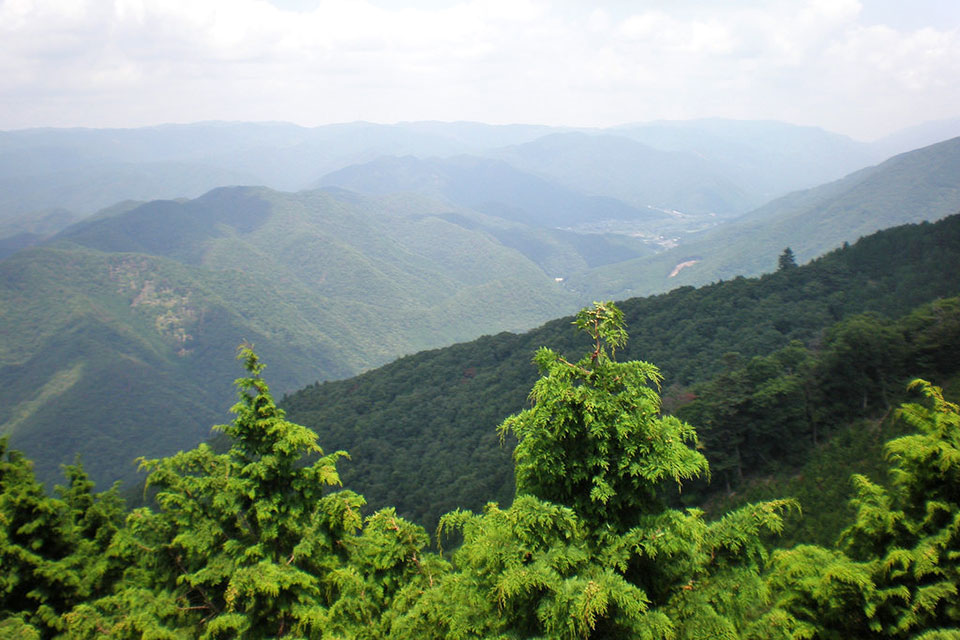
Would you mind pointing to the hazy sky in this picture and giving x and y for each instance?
(861, 68)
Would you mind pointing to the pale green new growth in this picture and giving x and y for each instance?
(252, 543)
(589, 549)
(898, 567)
(595, 439)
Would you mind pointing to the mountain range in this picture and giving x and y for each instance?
(128, 312)
(911, 187)
(729, 165)
(122, 323)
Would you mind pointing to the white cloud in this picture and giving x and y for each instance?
(132, 62)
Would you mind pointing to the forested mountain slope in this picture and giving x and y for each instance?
(443, 404)
(156, 295)
(260, 541)
(911, 187)
(117, 335)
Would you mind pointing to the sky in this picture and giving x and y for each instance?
(862, 68)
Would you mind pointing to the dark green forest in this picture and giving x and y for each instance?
(802, 352)
(261, 540)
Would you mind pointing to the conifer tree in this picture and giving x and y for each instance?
(589, 549)
(787, 260)
(253, 543)
(594, 439)
(896, 571)
(31, 542)
(52, 550)
(387, 569)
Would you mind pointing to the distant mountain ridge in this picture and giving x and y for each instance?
(489, 186)
(923, 184)
(638, 174)
(766, 158)
(124, 323)
(84, 170)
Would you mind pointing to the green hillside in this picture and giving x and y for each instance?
(915, 186)
(124, 322)
(443, 404)
(699, 168)
(118, 332)
(155, 296)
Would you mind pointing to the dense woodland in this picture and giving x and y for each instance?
(261, 541)
(777, 364)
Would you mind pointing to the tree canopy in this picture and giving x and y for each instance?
(588, 548)
(261, 540)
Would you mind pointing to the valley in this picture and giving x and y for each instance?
(479, 319)
(113, 315)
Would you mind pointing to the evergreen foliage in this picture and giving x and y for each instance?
(760, 415)
(594, 439)
(260, 541)
(52, 550)
(249, 543)
(755, 413)
(786, 260)
(896, 570)
(527, 571)
(587, 549)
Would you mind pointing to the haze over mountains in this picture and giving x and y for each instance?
(490, 186)
(84, 170)
(123, 323)
(911, 187)
(710, 294)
